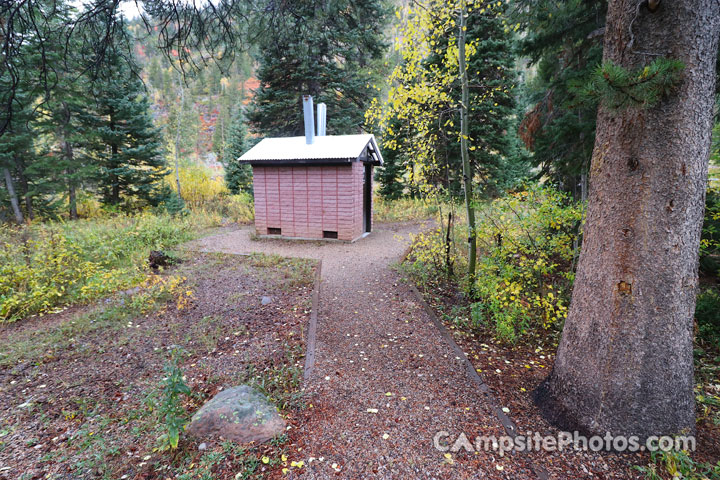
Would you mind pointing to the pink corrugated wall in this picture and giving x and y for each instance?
(304, 201)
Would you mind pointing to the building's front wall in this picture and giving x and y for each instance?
(306, 201)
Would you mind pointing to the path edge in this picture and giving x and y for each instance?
(505, 421)
(312, 328)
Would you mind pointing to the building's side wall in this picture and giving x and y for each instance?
(304, 201)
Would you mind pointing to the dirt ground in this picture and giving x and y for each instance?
(80, 390)
(513, 372)
(384, 383)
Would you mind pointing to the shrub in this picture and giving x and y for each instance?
(524, 275)
(432, 256)
(206, 194)
(707, 315)
(170, 202)
(237, 208)
(46, 266)
(198, 188)
(526, 247)
(88, 206)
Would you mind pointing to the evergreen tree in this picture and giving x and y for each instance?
(625, 360)
(564, 42)
(390, 175)
(33, 176)
(421, 119)
(16, 150)
(238, 177)
(494, 154)
(128, 146)
(66, 119)
(322, 48)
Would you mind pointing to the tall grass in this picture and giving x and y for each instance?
(404, 209)
(46, 266)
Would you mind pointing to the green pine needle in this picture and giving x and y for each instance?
(617, 88)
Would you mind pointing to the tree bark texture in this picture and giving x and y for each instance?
(625, 361)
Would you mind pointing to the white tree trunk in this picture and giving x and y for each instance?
(13, 196)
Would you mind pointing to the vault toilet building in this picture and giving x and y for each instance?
(314, 187)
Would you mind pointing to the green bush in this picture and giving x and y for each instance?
(50, 265)
(524, 275)
(678, 465)
(170, 409)
(237, 208)
(526, 249)
(707, 315)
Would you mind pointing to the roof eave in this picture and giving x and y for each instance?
(375, 158)
(299, 161)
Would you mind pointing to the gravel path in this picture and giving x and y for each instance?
(385, 382)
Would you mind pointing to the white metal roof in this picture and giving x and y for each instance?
(331, 147)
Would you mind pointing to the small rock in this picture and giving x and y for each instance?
(202, 446)
(19, 369)
(239, 414)
(266, 300)
(130, 291)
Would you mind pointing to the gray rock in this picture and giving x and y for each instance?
(202, 446)
(240, 414)
(130, 291)
(19, 369)
(266, 300)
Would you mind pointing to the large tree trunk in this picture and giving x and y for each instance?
(13, 196)
(625, 362)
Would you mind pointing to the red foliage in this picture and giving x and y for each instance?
(532, 123)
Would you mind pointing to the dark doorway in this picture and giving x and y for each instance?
(367, 198)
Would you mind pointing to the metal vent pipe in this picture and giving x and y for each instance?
(309, 119)
(321, 119)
